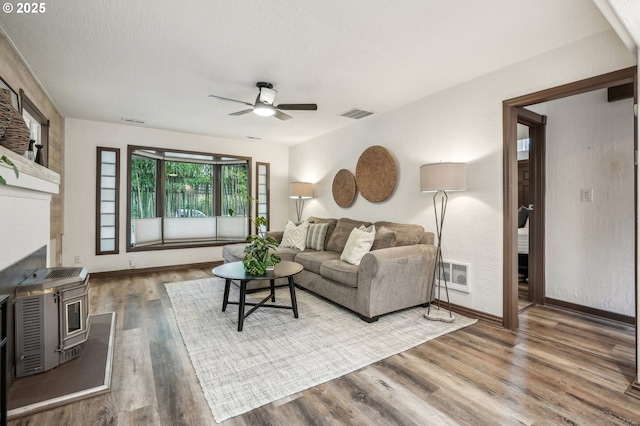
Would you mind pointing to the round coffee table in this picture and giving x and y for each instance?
(235, 271)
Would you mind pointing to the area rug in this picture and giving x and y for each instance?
(277, 355)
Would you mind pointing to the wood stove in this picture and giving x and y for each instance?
(51, 318)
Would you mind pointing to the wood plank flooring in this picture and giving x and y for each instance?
(558, 369)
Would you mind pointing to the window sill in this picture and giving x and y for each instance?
(184, 245)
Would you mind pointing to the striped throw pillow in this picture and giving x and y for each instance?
(315, 236)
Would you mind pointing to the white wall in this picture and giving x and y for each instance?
(463, 123)
(82, 138)
(24, 220)
(589, 254)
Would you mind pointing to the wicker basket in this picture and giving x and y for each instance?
(5, 110)
(16, 135)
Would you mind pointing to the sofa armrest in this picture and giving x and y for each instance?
(277, 235)
(395, 278)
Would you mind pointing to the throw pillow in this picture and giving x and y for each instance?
(295, 236)
(332, 225)
(315, 235)
(358, 244)
(385, 238)
(523, 215)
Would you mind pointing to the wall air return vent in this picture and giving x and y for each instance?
(356, 113)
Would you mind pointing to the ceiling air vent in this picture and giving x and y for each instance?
(356, 113)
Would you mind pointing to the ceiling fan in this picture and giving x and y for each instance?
(264, 104)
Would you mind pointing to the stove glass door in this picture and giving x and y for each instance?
(74, 316)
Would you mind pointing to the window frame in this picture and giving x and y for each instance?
(267, 166)
(27, 105)
(99, 151)
(160, 198)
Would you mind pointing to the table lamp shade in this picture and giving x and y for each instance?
(443, 177)
(302, 190)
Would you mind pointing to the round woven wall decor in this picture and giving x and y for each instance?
(344, 188)
(376, 174)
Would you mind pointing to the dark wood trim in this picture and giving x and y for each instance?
(123, 272)
(510, 170)
(618, 93)
(590, 311)
(98, 221)
(26, 103)
(481, 316)
(626, 75)
(268, 173)
(510, 214)
(537, 182)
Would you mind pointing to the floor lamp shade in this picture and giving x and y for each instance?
(302, 190)
(443, 177)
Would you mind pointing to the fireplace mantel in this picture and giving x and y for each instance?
(32, 176)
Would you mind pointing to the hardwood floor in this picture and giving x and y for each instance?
(559, 368)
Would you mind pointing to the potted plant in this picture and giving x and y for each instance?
(259, 255)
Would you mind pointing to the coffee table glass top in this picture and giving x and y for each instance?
(235, 271)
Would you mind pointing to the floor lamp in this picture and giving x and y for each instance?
(440, 178)
(300, 191)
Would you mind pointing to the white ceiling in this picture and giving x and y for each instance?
(157, 60)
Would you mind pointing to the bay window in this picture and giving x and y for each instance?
(186, 199)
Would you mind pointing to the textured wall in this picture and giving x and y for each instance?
(82, 139)
(463, 123)
(16, 74)
(590, 245)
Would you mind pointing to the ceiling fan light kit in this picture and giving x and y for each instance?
(264, 106)
(264, 110)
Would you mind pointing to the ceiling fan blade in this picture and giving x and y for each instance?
(297, 107)
(232, 100)
(246, 111)
(282, 116)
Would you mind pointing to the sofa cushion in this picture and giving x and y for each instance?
(406, 234)
(340, 271)
(295, 236)
(359, 243)
(312, 260)
(330, 229)
(235, 252)
(287, 253)
(316, 235)
(385, 238)
(341, 234)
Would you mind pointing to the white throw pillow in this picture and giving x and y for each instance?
(295, 236)
(358, 244)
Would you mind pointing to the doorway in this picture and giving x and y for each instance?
(512, 108)
(531, 207)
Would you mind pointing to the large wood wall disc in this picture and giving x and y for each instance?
(376, 174)
(344, 188)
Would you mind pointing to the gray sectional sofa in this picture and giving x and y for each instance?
(396, 274)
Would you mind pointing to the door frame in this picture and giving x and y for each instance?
(510, 175)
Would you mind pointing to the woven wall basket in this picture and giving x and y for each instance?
(16, 133)
(344, 188)
(376, 174)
